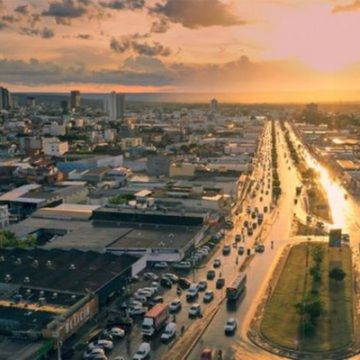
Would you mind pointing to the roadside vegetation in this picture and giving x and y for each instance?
(311, 308)
(276, 186)
(318, 204)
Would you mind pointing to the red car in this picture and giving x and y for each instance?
(206, 354)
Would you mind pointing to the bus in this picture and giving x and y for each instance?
(238, 286)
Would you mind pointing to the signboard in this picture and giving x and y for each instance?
(335, 238)
(73, 322)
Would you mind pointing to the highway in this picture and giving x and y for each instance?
(277, 229)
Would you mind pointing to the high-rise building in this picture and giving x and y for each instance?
(75, 99)
(5, 99)
(116, 106)
(214, 106)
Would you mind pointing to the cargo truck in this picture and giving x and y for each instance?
(155, 319)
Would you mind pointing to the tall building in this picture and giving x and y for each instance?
(116, 106)
(214, 106)
(75, 99)
(5, 99)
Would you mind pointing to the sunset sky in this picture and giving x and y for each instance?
(283, 49)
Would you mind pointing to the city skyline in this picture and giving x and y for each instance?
(273, 50)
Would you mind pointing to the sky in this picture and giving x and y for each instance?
(266, 50)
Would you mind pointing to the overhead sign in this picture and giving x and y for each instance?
(335, 238)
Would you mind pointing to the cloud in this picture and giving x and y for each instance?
(84, 36)
(44, 33)
(123, 4)
(354, 6)
(154, 49)
(131, 42)
(22, 9)
(36, 73)
(66, 9)
(197, 13)
(161, 26)
(120, 46)
(9, 19)
(135, 43)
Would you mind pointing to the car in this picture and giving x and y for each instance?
(230, 326)
(150, 276)
(220, 282)
(185, 265)
(175, 306)
(194, 311)
(103, 344)
(250, 231)
(172, 277)
(241, 250)
(156, 300)
(210, 275)
(254, 225)
(115, 332)
(238, 237)
(184, 283)
(137, 311)
(208, 296)
(260, 248)
(166, 282)
(345, 237)
(253, 215)
(143, 351)
(192, 292)
(202, 286)
(217, 263)
(207, 354)
(265, 209)
(96, 353)
(226, 250)
(161, 265)
(169, 332)
(229, 224)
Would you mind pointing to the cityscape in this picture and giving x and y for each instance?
(179, 179)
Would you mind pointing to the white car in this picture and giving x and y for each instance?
(175, 305)
(192, 292)
(116, 332)
(161, 265)
(143, 351)
(137, 310)
(208, 296)
(169, 332)
(104, 344)
(195, 310)
(230, 326)
(172, 277)
(95, 353)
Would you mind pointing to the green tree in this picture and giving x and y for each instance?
(337, 274)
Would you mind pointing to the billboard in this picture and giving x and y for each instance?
(335, 238)
(73, 322)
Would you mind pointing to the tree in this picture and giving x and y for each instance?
(337, 274)
(318, 254)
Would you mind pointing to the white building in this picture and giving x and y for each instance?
(54, 147)
(115, 106)
(54, 129)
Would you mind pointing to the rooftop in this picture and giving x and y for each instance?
(71, 271)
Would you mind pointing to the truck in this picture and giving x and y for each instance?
(155, 319)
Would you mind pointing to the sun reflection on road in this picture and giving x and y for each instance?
(335, 193)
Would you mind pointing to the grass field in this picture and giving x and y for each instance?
(281, 323)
